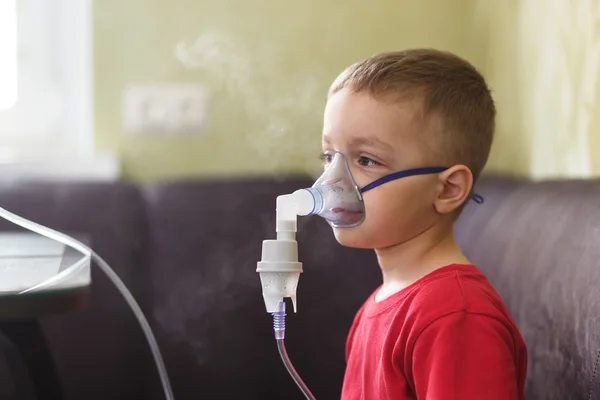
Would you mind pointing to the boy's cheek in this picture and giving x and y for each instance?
(363, 236)
(385, 224)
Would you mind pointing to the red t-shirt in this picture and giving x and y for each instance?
(447, 336)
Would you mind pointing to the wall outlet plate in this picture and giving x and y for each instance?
(164, 108)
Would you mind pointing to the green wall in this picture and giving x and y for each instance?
(267, 65)
(542, 59)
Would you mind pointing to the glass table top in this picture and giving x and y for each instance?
(28, 259)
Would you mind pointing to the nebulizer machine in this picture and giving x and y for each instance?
(78, 267)
(335, 197)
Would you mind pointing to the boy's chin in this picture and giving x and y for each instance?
(351, 237)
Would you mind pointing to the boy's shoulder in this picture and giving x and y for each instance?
(446, 291)
(455, 299)
(454, 288)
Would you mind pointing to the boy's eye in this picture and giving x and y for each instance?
(326, 158)
(367, 162)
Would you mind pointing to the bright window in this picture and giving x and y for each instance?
(8, 54)
(46, 107)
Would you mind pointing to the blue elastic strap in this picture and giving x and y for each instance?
(477, 198)
(412, 172)
(402, 174)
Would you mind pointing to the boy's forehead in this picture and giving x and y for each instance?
(361, 118)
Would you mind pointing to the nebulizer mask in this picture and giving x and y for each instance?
(334, 196)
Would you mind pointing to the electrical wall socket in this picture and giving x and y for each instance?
(164, 108)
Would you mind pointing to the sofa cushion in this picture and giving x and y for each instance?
(539, 244)
(208, 310)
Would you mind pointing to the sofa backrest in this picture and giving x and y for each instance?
(539, 245)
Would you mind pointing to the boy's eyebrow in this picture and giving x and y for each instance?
(360, 140)
(370, 141)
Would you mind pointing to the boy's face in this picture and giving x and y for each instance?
(379, 138)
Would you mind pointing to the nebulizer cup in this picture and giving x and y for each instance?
(335, 197)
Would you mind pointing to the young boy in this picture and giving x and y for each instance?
(435, 329)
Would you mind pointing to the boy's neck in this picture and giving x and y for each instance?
(405, 263)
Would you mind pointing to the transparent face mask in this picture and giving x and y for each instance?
(339, 200)
(337, 197)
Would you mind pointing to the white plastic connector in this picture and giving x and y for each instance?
(279, 268)
(289, 206)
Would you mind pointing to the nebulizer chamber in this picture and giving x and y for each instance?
(334, 197)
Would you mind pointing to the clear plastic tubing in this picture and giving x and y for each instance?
(89, 253)
(279, 327)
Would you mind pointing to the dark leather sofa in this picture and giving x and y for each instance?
(188, 251)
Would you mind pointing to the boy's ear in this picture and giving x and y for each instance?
(454, 189)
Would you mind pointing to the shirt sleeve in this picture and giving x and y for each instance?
(352, 333)
(465, 356)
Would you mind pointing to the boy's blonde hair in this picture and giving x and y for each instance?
(453, 97)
